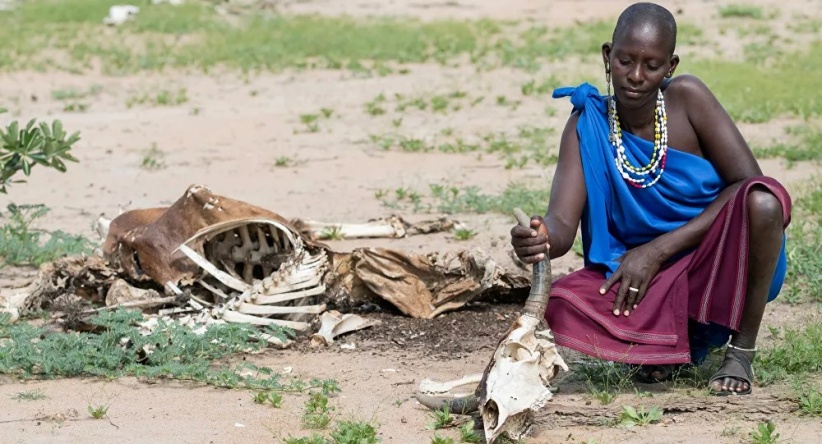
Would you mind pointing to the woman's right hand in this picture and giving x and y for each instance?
(531, 244)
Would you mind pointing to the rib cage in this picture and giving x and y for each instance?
(259, 272)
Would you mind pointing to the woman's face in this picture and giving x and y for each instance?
(640, 58)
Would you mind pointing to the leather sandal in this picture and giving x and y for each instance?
(736, 366)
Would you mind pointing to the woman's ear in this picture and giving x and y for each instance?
(674, 64)
(606, 55)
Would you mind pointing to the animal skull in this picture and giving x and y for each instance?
(518, 379)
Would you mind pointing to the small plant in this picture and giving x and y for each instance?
(21, 243)
(464, 234)
(332, 233)
(317, 411)
(23, 148)
(275, 399)
(630, 417)
(442, 418)
(284, 161)
(75, 107)
(604, 397)
(765, 433)
(741, 11)
(313, 439)
(730, 431)
(30, 395)
(810, 403)
(437, 439)
(374, 107)
(354, 432)
(152, 158)
(468, 434)
(327, 386)
(98, 412)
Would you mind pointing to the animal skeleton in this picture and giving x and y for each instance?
(209, 258)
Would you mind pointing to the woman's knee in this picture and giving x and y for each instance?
(764, 210)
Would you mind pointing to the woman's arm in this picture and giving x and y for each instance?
(723, 145)
(568, 196)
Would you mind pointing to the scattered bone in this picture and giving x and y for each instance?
(119, 14)
(391, 227)
(334, 324)
(120, 292)
(433, 387)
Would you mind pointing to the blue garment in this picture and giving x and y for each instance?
(618, 216)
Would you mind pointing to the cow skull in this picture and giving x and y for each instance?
(518, 380)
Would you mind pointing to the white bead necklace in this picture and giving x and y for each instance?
(659, 155)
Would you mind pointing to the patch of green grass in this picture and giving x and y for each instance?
(437, 439)
(799, 353)
(765, 94)
(804, 247)
(120, 349)
(464, 234)
(741, 11)
(810, 402)
(30, 395)
(70, 35)
(23, 244)
(449, 199)
(804, 144)
(161, 97)
(76, 94)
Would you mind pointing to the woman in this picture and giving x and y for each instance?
(683, 237)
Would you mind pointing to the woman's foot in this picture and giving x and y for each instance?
(735, 376)
(650, 374)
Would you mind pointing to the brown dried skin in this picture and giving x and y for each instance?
(143, 242)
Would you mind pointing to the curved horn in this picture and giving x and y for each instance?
(537, 300)
(461, 406)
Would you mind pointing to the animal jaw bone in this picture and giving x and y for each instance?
(431, 387)
(333, 324)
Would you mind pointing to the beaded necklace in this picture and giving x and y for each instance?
(659, 155)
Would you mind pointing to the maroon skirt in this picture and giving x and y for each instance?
(707, 285)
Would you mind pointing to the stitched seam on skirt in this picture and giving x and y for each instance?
(567, 341)
(706, 298)
(741, 259)
(585, 308)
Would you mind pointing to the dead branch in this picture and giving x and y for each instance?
(558, 415)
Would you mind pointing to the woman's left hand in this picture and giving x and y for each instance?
(636, 270)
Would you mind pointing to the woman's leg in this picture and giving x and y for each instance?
(765, 243)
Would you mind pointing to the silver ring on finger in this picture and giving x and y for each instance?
(633, 289)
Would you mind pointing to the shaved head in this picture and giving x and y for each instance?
(647, 15)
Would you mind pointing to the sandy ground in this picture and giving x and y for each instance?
(228, 136)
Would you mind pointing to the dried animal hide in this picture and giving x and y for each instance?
(420, 286)
(144, 242)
